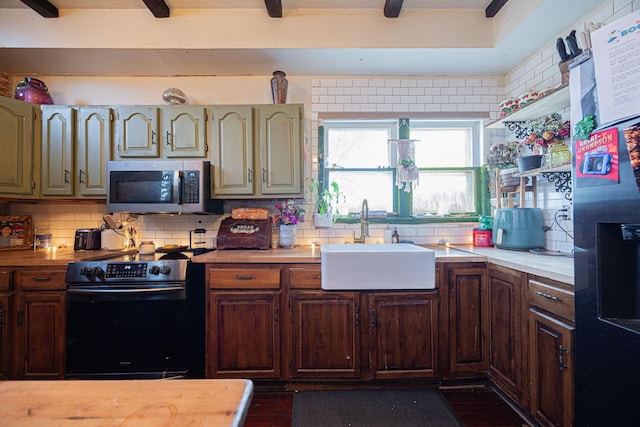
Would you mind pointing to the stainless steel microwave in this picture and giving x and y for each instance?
(160, 186)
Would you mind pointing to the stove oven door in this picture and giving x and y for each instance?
(126, 332)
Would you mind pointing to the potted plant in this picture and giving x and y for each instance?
(544, 133)
(286, 219)
(327, 202)
(503, 157)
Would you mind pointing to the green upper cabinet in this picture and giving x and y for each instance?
(19, 162)
(137, 130)
(76, 145)
(172, 131)
(257, 151)
(280, 130)
(58, 150)
(94, 142)
(232, 156)
(185, 131)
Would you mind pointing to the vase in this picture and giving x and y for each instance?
(529, 162)
(323, 220)
(279, 85)
(288, 235)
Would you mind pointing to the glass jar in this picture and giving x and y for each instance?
(559, 155)
(147, 248)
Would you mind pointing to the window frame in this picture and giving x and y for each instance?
(480, 174)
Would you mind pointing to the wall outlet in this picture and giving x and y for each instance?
(565, 213)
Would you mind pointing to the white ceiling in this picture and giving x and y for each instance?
(547, 20)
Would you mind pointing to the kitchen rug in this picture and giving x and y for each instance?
(372, 408)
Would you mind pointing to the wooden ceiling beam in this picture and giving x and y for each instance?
(158, 7)
(392, 8)
(494, 7)
(274, 8)
(43, 7)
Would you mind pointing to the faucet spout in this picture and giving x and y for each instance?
(364, 223)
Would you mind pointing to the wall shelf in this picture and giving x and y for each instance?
(559, 175)
(552, 103)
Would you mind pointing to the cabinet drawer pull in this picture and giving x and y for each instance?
(67, 174)
(249, 175)
(548, 296)
(41, 279)
(242, 277)
(20, 318)
(81, 176)
(1, 317)
(563, 351)
(316, 277)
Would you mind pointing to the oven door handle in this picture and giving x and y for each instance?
(102, 291)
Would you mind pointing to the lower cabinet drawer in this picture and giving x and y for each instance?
(552, 299)
(43, 280)
(305, 277)
(243, 278)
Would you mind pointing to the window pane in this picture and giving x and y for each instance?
(358, 148)
(376, 187)
(444, 192)
(443, 148)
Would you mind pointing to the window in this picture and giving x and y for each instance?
(360, 158)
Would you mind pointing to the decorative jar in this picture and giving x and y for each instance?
(279, 85)
(559, 154)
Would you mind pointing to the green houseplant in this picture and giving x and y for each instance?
(327, 202)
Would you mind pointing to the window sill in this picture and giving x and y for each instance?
(426, 219)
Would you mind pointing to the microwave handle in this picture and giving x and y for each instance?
(178, 183)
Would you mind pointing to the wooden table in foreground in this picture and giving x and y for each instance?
(139, 403)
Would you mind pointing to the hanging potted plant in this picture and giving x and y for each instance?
(327, 202)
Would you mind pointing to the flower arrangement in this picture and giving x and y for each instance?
(502, 156)
(545, 132)
(288, 213)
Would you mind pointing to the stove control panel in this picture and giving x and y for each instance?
(129, 269)
(126, 271)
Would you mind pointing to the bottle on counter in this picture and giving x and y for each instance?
(395, 237)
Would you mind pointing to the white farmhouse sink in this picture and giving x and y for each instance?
(386, 266)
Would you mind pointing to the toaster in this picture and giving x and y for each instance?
(87, 239)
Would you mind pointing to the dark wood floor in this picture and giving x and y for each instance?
(475, 406)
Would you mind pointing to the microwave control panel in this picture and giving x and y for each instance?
(192, 186)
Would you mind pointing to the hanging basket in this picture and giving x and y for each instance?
(529, 162)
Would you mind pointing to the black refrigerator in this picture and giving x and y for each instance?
(606, 197)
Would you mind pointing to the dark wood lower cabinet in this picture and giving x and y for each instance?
(403, 335)
(6, 326)
(325, 334)
(466, 320)
(507, 330)
(39, 337)
(243, 339)
(551, 369)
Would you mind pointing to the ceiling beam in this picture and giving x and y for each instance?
(158, 7)
(43, 7)
(392, 8)
(274, 8)
(494, 7)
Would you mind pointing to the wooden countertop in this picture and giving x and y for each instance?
(139, 403)
(53, 256)
(558, 268)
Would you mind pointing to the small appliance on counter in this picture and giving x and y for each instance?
(247, 228)
(87, 239)
(518, 228)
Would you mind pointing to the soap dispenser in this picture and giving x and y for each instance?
(395, 238)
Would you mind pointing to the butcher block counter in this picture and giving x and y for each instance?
(139, 403)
